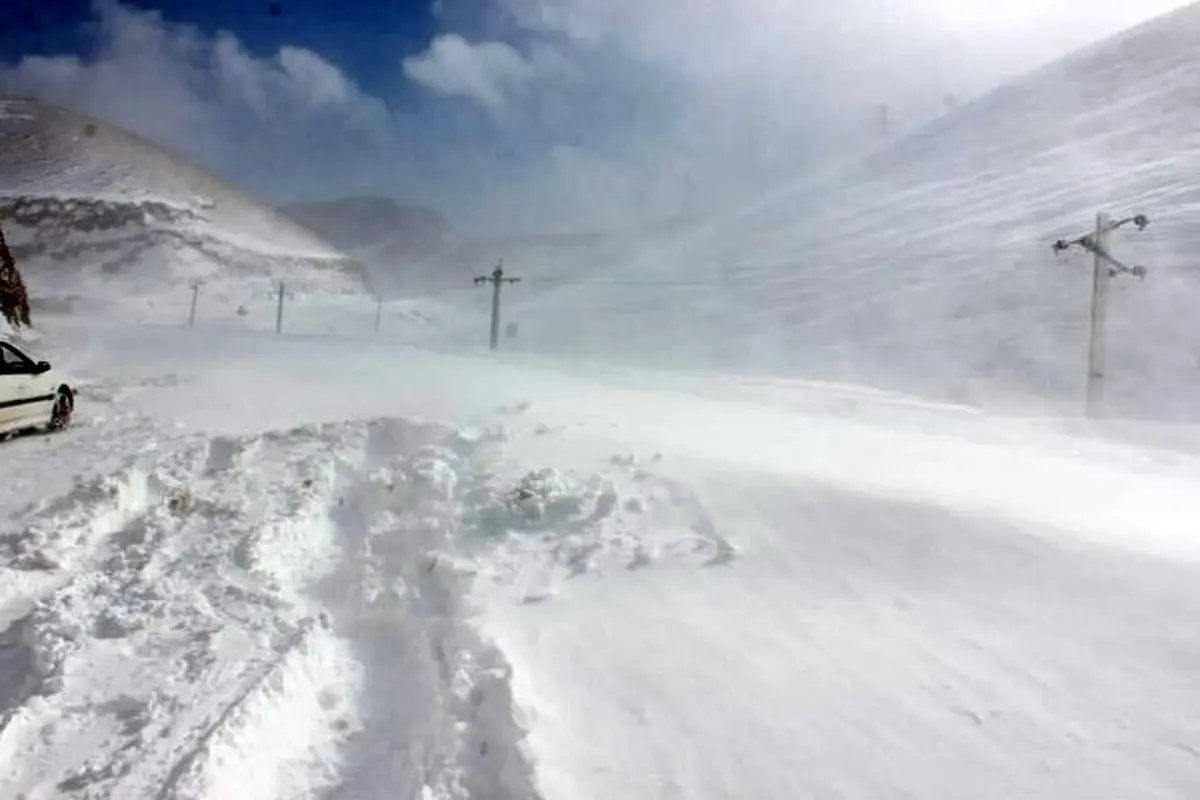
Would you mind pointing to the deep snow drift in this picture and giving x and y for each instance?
(209, 620)
(252, 571)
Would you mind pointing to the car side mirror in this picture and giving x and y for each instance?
(41, 367)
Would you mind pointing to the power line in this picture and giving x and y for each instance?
(569, 282)
(610, 282)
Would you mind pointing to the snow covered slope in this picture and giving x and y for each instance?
(929, 266)
(401, 265)
(94, 211)
(369, 225)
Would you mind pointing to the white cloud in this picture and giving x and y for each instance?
(173, 85)
(758, 91)
(600, 109)
(854, 51)
(487, 72)
(294, 80)
(314, 81)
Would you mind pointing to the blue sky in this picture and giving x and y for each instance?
(361, 36)
(528, 114)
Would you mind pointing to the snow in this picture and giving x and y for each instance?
(102, 220)
(207, 622)
(340, 564)
(49, 154)
(297, 567)
(927, 267)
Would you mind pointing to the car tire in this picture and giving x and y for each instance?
(64, 408)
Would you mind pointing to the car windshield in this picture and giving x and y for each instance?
(10, 357)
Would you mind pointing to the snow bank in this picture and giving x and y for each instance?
(254, 617)
(270, 615)
(169, 624)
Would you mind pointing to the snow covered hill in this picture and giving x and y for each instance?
(544, 261)
(95, 213)
(366, 225)
(928, 266)
(417, 257)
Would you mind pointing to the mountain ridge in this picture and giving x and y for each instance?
(87, 202)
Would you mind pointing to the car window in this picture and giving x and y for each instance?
(11, 360)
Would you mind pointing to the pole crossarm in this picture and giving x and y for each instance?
(496, 279)
(1105, 267)
(1088, 242)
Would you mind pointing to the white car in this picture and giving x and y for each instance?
(32, 394)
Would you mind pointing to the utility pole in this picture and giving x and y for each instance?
(281, 294)
(195, 297)
(496, 279)
(1104, 268)
(378, 312)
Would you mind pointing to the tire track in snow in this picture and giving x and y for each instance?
(187, 763)
(53, 545)
(182, 647)
(438, 714)
(280, 726)
(182, 623)
(51, 538)
(434, 523)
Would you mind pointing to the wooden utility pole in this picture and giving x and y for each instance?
(1099, 317)
(1104, 268)
(496, 279)
(195, 298)
(281, 294)
(378, 312)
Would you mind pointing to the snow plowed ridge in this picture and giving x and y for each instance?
(291, 614)
(430, 522)
(175, 644)
(437, 718)
(130, 651)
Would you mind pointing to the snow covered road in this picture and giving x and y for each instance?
(860, 649)
(256, 616)
(260, 574)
